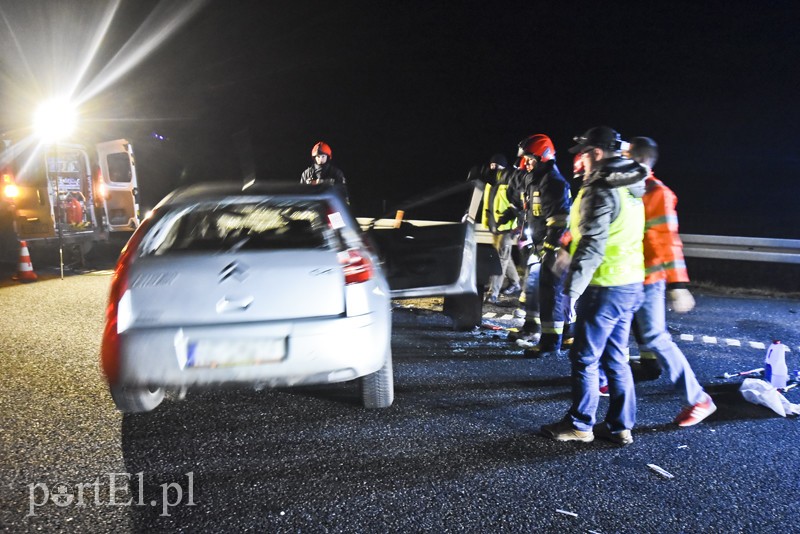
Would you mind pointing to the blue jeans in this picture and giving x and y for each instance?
(650, 327)
(601, 336)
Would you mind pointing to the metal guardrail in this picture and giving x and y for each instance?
(759, 249)
(741, 248)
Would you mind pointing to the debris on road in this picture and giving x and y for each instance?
(659, 471)
(743, 373)
(763, 393)
(565, 512)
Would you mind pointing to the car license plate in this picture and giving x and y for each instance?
(227, 353)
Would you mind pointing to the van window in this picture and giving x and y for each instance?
(119, 167)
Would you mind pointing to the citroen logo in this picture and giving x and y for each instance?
(233, 270)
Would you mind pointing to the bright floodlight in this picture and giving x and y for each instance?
(55, 120)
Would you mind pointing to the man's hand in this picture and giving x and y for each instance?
(561, 263)
(509, 215)
(573, 314)
(680, 300)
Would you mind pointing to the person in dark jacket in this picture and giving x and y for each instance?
(605, 275)
(495, 203)
(540, 194)
(322, 170)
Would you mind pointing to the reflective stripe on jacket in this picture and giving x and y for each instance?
(544, 196)
(663, 249)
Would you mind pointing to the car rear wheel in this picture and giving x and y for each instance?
(465, 310)
(136, 399)
(377, 389)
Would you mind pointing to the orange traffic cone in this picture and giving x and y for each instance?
(25, 272)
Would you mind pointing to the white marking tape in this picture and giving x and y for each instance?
(712, 340)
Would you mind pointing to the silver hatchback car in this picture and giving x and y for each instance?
(272, 285)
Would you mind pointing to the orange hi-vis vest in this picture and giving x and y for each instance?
(663, 249)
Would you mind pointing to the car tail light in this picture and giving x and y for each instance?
(109, 352)
(101, 191)
(357, 266)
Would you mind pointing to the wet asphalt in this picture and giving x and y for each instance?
(459, 451)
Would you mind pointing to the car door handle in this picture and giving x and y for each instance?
(228, 305)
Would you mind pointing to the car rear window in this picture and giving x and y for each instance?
(232, 226)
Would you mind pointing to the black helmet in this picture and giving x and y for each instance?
(500, 160)
(597, 137)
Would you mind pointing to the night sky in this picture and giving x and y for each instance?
(411, 94)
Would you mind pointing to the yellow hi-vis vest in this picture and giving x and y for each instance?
(623, 262)
(495, 203)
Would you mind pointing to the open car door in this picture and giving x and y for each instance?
(118, 185)
(425, 256)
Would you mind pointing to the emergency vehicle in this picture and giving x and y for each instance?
(70, 194)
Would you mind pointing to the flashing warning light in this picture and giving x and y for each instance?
(10, 191)
(9, 188)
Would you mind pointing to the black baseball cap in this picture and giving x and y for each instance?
(597, 137)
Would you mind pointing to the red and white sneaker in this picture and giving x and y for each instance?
(691, 415)
(604, 391)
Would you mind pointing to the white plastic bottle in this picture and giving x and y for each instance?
(775, 370)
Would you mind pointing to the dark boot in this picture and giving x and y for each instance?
(549, 344)
(645, 369)
(530, 330)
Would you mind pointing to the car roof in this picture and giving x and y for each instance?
(217, 190)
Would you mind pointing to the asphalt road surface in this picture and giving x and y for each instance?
(459, 451)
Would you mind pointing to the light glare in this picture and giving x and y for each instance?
(55, 120)
(11, 191)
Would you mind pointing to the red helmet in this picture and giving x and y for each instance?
(538, 145)
(321, 148)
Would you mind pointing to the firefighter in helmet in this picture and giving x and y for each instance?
(322, 170)
(541, 196)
